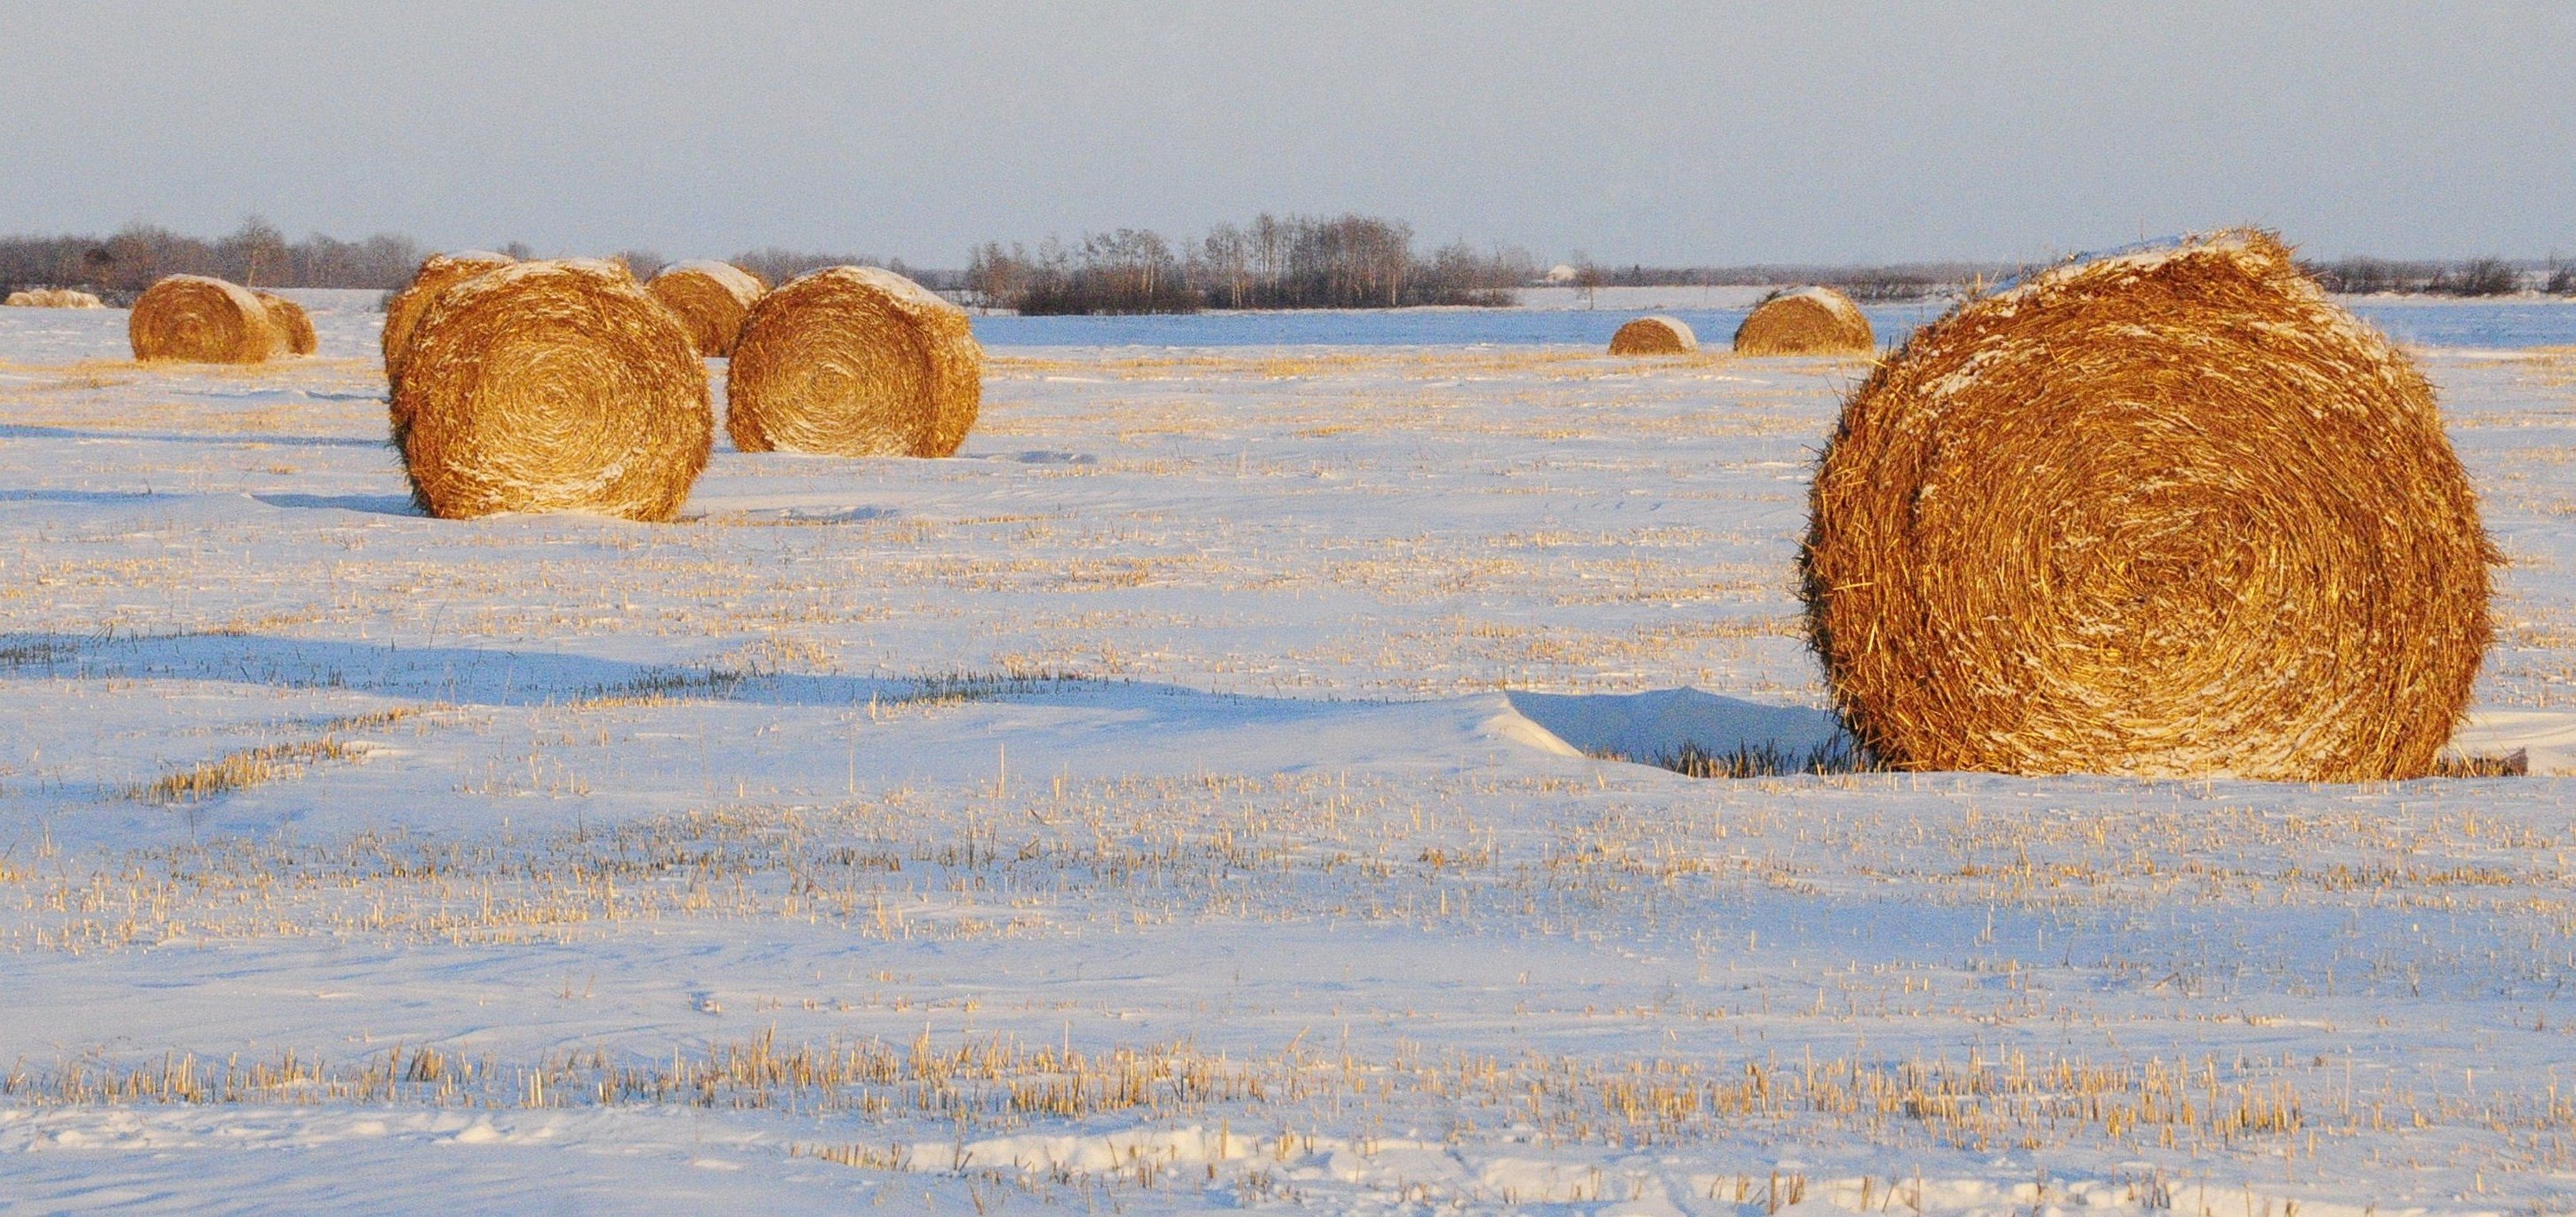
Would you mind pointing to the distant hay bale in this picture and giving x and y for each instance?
(53, 297)
(1808, 321)
(437, 273)
(551, 386)
(1654, 336)
(710, 298)
(294, 327)
(2168, 513)
(854, 361)
(202, 320)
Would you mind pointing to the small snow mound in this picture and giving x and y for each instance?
(1643, 726)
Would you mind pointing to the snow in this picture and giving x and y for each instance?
(1198, 794)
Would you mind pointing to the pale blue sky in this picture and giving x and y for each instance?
(1663, 133)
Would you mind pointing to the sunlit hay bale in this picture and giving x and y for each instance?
(437, 273)
(1808, 321)
(854, 361)
(552, 386)
(1654, 336)
(294, 328)
(710, 298)
(202, 320)
(2166, 513)
(53, 297)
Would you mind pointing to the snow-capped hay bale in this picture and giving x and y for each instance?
(1654, 336)
(437, 273)
(710, 298)
(2166, 513)
(294, 327)
(854, 361)
(1808, 321)
(552, 386)
(54, 297)
(202, 320)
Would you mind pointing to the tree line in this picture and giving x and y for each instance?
(1297, 261)
(120, 265)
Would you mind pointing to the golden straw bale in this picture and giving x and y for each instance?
(203, 320)
(437, 273)
(711, 299)
(1808, 321)
(854, 361)
(552, 386)
(294, 327)
(2165, 513)
(54, 297)
(1654, 336)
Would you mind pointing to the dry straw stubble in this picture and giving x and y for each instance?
(2167, 513)
(201, 320)
(294, 326)
(854, 361)
(710, 298)
(552, 386)
(1656, 335)
(437, 273)
(1808, 321)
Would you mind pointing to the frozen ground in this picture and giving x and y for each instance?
(1178, 801)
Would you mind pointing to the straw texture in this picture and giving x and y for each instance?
(1808, 321)
(552, 386)
(294, 328)
(2171, 513)
(202, 320)
(854, 361)
(710, 298)
(437, 273)
(53, 297)
(1656, 335)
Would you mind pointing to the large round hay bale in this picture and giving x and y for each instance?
(294, 327)
(710, 298)
(1654, 336)
(854, 361)
(551, 386)
(54, 297)
(2166, 513)
(437, 273)
(1808, 321)
(203, 320)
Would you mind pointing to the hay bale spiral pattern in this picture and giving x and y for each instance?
(1808, 321)
(437, 273)
(294, 327)
(202, 320)
(710, 298)
(2170, 513)
(552, 386)
(854, 361)
(1657, 335)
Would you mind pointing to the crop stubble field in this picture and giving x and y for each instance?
(1135, 813)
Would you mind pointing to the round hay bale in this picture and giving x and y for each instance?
(437, 273)
(203, 320)
(294, 327)
(1808, 321)
(2168, 513)
(551, 386)
(54, 297)
(1654, 336)
(710, 298)
(854, 361)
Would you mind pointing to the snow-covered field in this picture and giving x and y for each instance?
(1179, 800)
